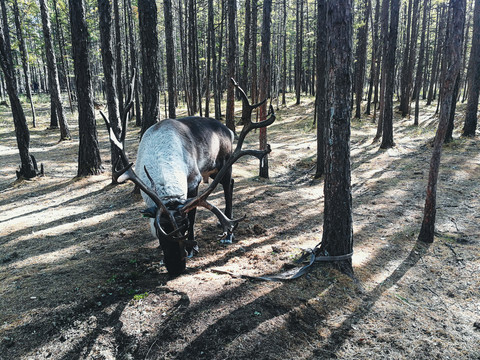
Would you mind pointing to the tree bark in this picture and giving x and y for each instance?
(264, 82)
(24, 55)
(374, 60)
(54, 86)
(118, 54)
(389, 64)
(298, 50)
(470, 125)
(337, 223)
(105, 24)
(253, 57)
(89, 161)
(321, 93)
(133, 56)
(210, 56)
(170, 56)
(147, 13)
(232, 45)
(361, 58)
(246, 45)
(27, 161)
(61, 46)
(452, 68)
(284, 72)
(420, 65)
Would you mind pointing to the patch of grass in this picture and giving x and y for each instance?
(140, 296)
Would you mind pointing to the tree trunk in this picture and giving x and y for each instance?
(320, 98)
(147, 14)
(246, 45)
(470, 125)
(253, 57)
(337, 223)
(373, 64)
(418, 77)
(61, 46)
(219, 87)
(264, 81)
(105, 25)
(389, 64)
(89, 162)
(361, 58)
(133, 56)
(210, 56)
(118, 54)
(382, 79)
(192, 75)
(436, 54)
(404, 100)
(298, 50)
(24, 54)
(170, 56)
(284, 46)
(27, 161)
(54, 86)
(232, 45)
(449, 77)
(451, 118)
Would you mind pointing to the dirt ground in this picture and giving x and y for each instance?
(82, 278)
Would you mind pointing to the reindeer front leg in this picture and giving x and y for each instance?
(227, 184)
(192, 246)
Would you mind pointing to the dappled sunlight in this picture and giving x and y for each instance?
(64, 227)
(112, 293)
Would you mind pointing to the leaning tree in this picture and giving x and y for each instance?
(449, 77)
(28, 164)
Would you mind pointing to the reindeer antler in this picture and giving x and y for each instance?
(127, 173)
(248, 125)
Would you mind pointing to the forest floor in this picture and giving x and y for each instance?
(82, 278)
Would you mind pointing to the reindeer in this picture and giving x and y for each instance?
(174, 156)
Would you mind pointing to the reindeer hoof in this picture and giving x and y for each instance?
(192, 251)
(227, 239)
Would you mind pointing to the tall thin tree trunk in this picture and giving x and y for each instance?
(61, 46)
(418, 77)
(298, 50)
(89, 161)
(373, 64)
(321, 92)
(253, 57)
(147, 14)
(232, 45)
(27, 161)
(389, 64)
(361, 58)
(105, 24)
(210, 56)
(24, 54)
(170, 56)
(264, 81)
(449, 76)
(246, 45)
(284, 47)
(133, 56)
(54, 86)
(470, 125)
(118, 54)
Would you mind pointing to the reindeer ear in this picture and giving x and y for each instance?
(151, 212)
